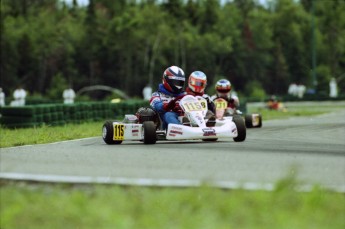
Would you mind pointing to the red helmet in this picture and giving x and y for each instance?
(223, 86)
(197, 82)
(173, 79)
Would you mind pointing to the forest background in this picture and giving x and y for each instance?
(47, 45)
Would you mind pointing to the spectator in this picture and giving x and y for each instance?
(274, 104)
(333, 89)
(68, 96)
(19, 97)
(293, 89)
(2, 98)
(300, 91)
(147, 92)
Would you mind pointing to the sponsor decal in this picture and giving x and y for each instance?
(177, 78)
(135, 130)
(131, 117)
(173, 135)
(176, 132)
(176, 128)
(234, 130)
(209, 132)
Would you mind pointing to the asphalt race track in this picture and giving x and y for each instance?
(310, 148)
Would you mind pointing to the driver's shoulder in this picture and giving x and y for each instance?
(213, 97)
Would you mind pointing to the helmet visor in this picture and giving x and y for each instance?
(223, 90)
(177, 82)
(197, 83)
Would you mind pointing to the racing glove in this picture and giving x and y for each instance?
(170, 105)
(177, 108)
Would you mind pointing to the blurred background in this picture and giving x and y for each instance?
(262, 47)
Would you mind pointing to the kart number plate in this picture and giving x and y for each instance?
(119, 132)
(192, 106)
(203, 104)
(222, 104)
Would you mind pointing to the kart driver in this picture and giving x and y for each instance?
(197, 82)
(165, 99)
(223, 90)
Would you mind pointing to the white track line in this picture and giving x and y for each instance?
(51, 143)
(153, 182)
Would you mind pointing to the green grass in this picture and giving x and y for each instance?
(46, 134)
(272, 114)
(25, 205)
(296, 110)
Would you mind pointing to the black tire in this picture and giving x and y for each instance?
(150, 136)
(260, 121)
(248, 120)
(241, 129)
(108, 133)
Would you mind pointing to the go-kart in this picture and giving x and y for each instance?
(224, 113)
(146, 126)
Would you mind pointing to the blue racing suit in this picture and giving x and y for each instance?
(159, 102)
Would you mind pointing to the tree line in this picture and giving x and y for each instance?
(47, 45)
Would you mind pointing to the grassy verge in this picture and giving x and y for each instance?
(296, 110)
(46, 134)
(25, 205)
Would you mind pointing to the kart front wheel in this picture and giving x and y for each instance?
(150, 136)
(108, 133)
(241, 128)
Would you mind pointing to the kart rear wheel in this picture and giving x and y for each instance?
(108, 133)
(260, 121)
(150, 136)
(249, 121)
(241, 128)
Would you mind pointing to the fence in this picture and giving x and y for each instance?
(60, 114)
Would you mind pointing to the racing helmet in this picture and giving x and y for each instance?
(223, 87)
(197, 82)
(173, 79)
